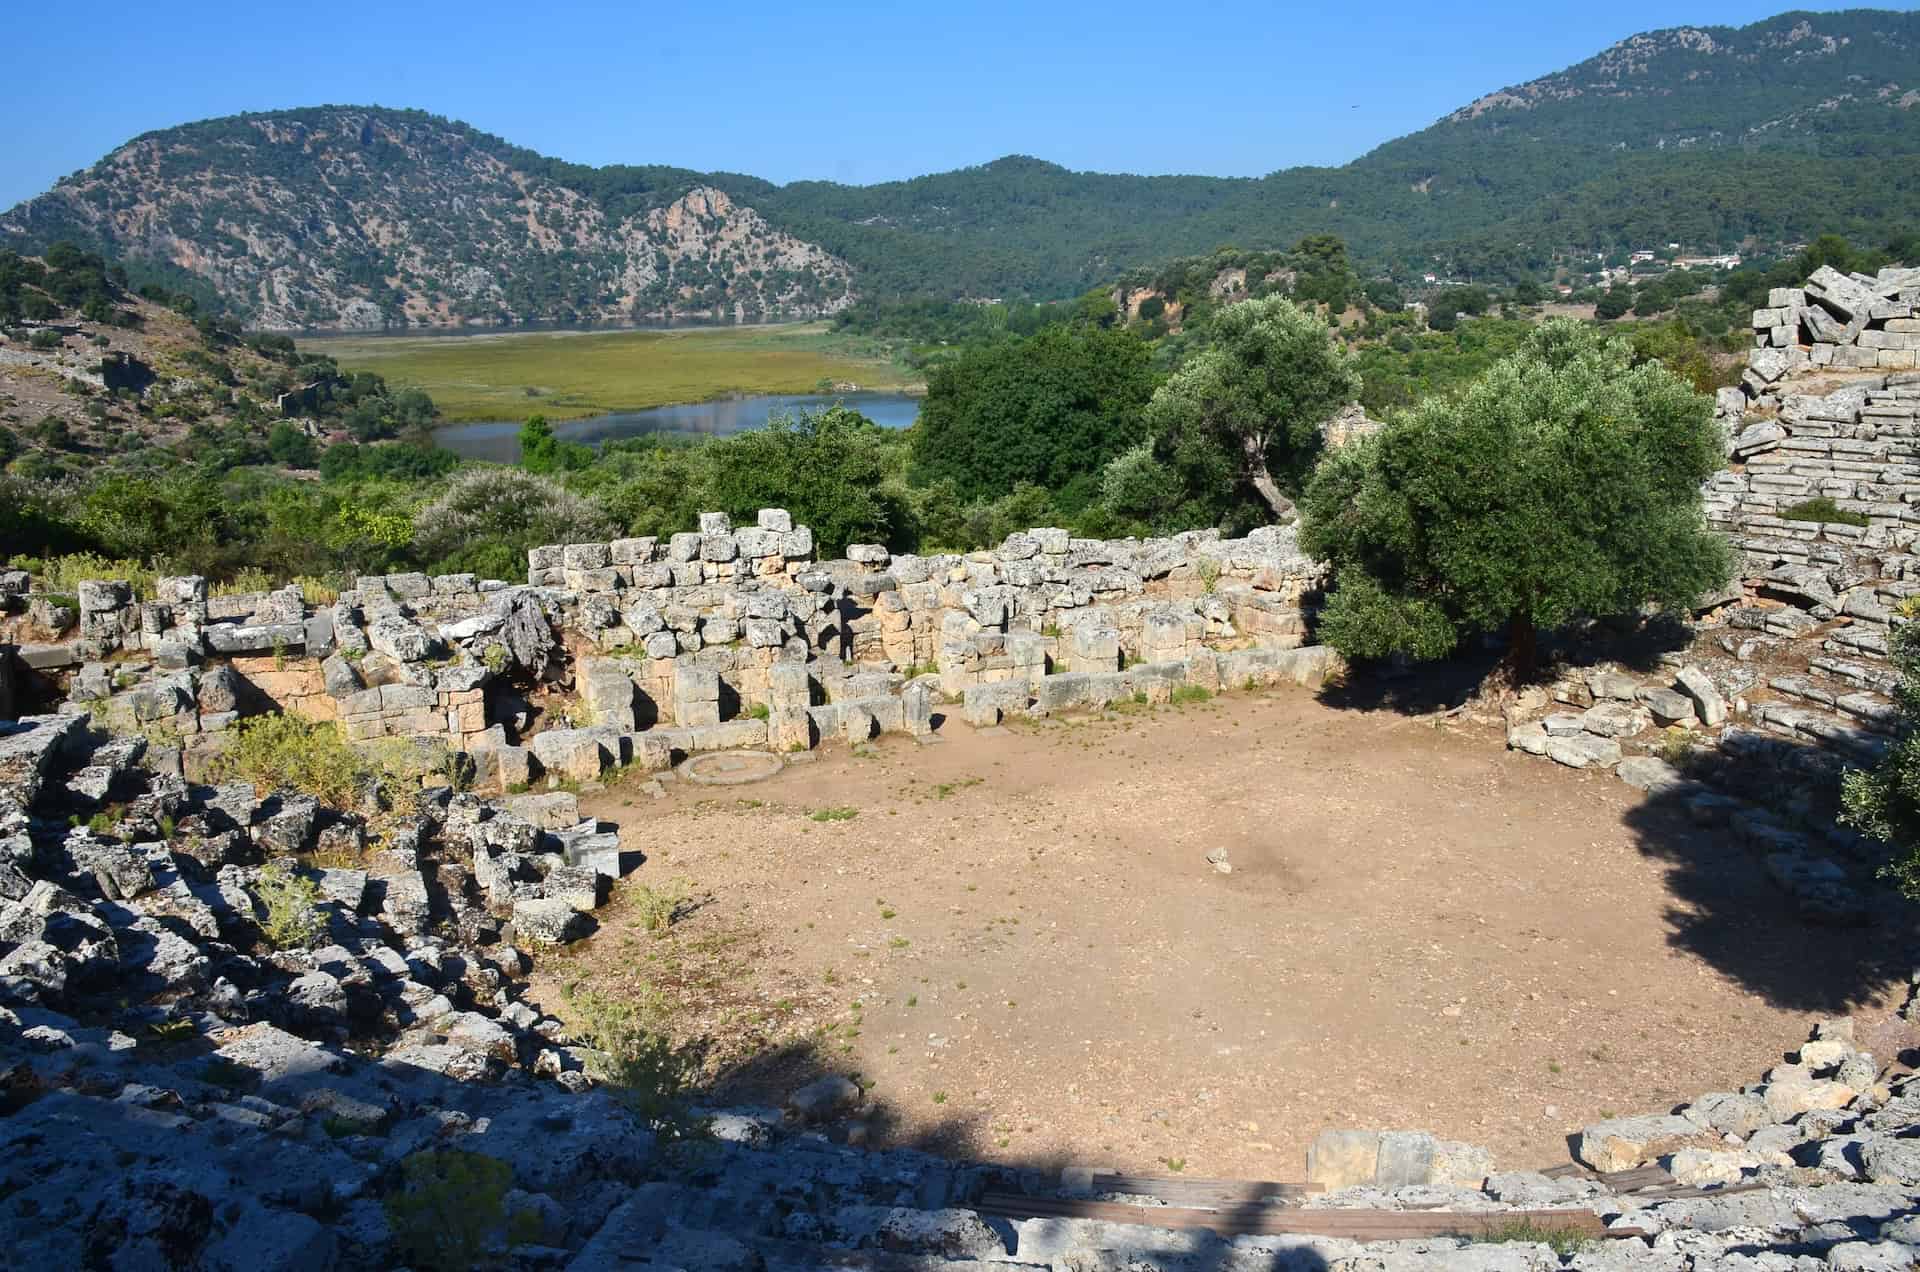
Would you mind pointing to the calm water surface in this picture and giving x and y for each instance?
(499, 440)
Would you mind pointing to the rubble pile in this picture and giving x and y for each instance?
(1843, 321)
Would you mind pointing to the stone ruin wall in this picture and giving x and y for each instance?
(712, 640)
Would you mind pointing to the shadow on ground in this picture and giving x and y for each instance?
(948, 1179)
(1425, 688)
(1734, 916)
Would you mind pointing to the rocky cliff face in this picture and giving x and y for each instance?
(361, 218)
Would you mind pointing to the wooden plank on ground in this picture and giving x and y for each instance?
(1185, 1189)
(1261, 1220)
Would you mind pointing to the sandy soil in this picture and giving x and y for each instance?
(1019, 942)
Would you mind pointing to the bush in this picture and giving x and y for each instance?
(489, 517)
(1823, 509)
(293, 917)
(276, 752)
(1884, 801)
(450, 1215)
(660, 907)
(64, 574)
(652, 1076)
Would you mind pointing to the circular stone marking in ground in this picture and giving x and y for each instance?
(731, 768)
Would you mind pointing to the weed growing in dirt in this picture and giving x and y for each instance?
(1184, 694)
(660, 908)
(834, 814)
(1677, 747)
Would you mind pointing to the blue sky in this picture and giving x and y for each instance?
(847, 92)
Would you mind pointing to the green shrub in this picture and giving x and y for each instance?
(1823, 509)
(449, 1213)
(278, 751)
(293, 918)
(1183, 694)
(63, 574)
(658, 908)
(633, 1055)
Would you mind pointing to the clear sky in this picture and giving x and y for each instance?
(855, 92)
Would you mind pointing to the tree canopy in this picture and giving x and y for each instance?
(1251, 403)
(1049, 410)
(1565, 481)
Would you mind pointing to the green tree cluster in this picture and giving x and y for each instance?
(1563, 482)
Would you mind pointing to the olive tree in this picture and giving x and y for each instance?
(1268, 377)
(1884, 801)
(1564, 481)
(488, 517)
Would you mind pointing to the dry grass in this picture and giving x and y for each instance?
(568, 375)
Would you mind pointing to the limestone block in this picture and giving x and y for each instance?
(696, 696)
(1583, 750)
(797, 543)
(718, 547)
(397, 638)
(867, 553)
(608, 692)
(1615, 719)
(98, 596)
(573, 754)
(1531, 738)
(1623, 1143)
(586, 556)
(1052, 540)
(715, 523)
(1667, 706)
(683, 547)
(789, 685)
(632, 551)
(1343, 1159)
(916, 703)
(858, 724)
(1095, 648)
(778, 520)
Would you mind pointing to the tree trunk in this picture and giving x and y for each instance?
(1523, 648)
(1255, 454)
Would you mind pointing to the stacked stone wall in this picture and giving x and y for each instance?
(711, 640)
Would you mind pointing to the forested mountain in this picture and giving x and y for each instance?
(1712, 137)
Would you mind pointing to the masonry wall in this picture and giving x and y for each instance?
(725, 637)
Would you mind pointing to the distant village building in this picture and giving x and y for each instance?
(1729, 260)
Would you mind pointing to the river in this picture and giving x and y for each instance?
(498, 441)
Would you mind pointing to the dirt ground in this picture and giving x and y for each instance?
(1019, 942)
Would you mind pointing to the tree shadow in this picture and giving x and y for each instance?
(1638, 644)
(928, 1158)
(1715, 837)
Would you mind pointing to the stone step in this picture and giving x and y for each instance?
(1860, 705)
(1824, 729)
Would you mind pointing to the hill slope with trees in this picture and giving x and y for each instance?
(1713, 137)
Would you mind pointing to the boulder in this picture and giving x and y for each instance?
(1584, 750)
(1622, 1143)
(824, 1099)
(1708, 704)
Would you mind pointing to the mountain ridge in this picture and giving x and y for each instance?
(366, 216)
